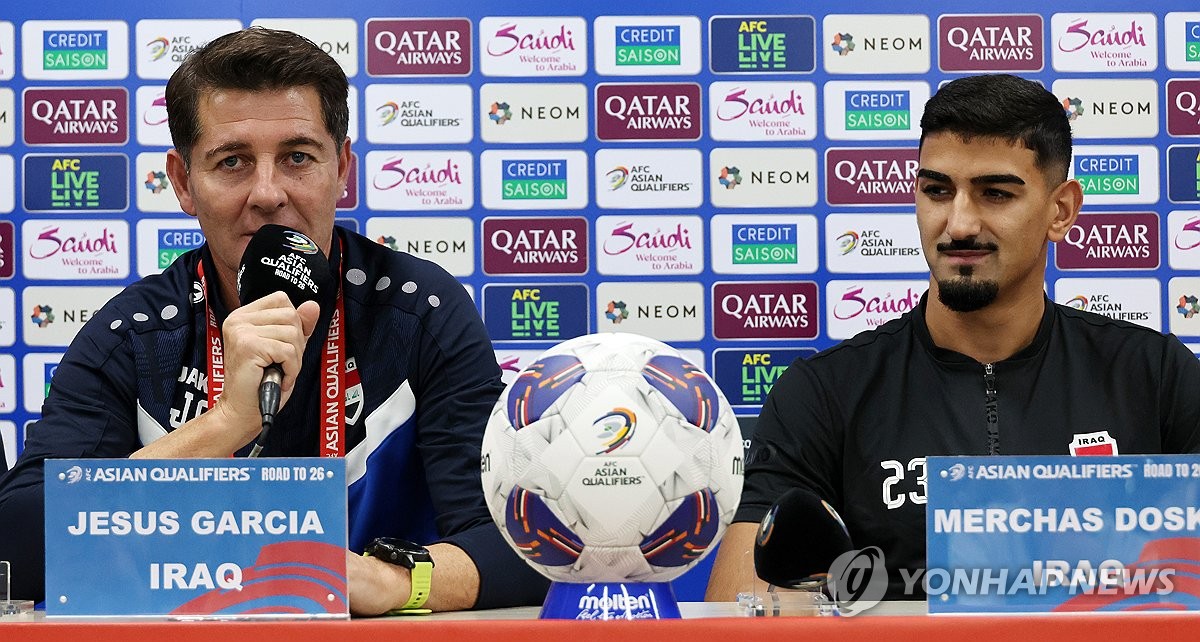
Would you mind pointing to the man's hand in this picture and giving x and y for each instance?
(255, 336)
(377, 587)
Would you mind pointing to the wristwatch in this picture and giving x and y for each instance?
(413, 557)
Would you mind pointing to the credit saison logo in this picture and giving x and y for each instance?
(74, 50)
(1191, 41)
(174, 242)
(428, 47)
(648, 112)
(533, 179)
(648, 45)
(990, 43)
(878, 110)
(764, 244)
(1108, 174)
(1126, 240)
(76, 116)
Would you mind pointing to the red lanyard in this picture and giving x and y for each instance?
(331, 438)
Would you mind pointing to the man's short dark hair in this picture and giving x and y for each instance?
(254, 59)
(1008, 108)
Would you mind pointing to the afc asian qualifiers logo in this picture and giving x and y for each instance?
(419, 47)
(762, 44)
(1093, 443)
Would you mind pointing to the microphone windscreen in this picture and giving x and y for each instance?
(280, 258)
(798, 540)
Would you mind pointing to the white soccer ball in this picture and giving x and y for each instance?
(612, 458)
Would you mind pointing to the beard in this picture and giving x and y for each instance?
(964, 294)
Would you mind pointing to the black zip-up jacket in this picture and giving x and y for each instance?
(855, 423)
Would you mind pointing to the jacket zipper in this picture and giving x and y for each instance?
(991, 409)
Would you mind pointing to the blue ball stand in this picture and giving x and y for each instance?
(610, 601)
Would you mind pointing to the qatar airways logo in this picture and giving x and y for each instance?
(80, 116)
(763, 110)
(765, 310)
(650, 244)
(879, 176)
(1110, 241)
(648, 112)
(420, 180)
(533, 46)
(526, 245)
(992, 43)
(857, 306)
(1114, 42)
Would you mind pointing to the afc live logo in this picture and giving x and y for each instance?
(87, 182)
(747, 376)
(535, 312)
(762, 44)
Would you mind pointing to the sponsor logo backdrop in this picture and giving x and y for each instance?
(733, 180)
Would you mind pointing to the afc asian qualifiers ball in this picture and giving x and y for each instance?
(612, 458)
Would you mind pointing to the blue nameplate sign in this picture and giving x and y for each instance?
(1063, 534)
(219, 538)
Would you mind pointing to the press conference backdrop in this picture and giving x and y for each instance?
(732, 179)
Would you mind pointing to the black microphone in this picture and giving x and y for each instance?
(798, 540)
(278, 258)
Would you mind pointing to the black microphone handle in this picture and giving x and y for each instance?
(269, 392)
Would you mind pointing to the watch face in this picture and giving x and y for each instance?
(398, 551)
